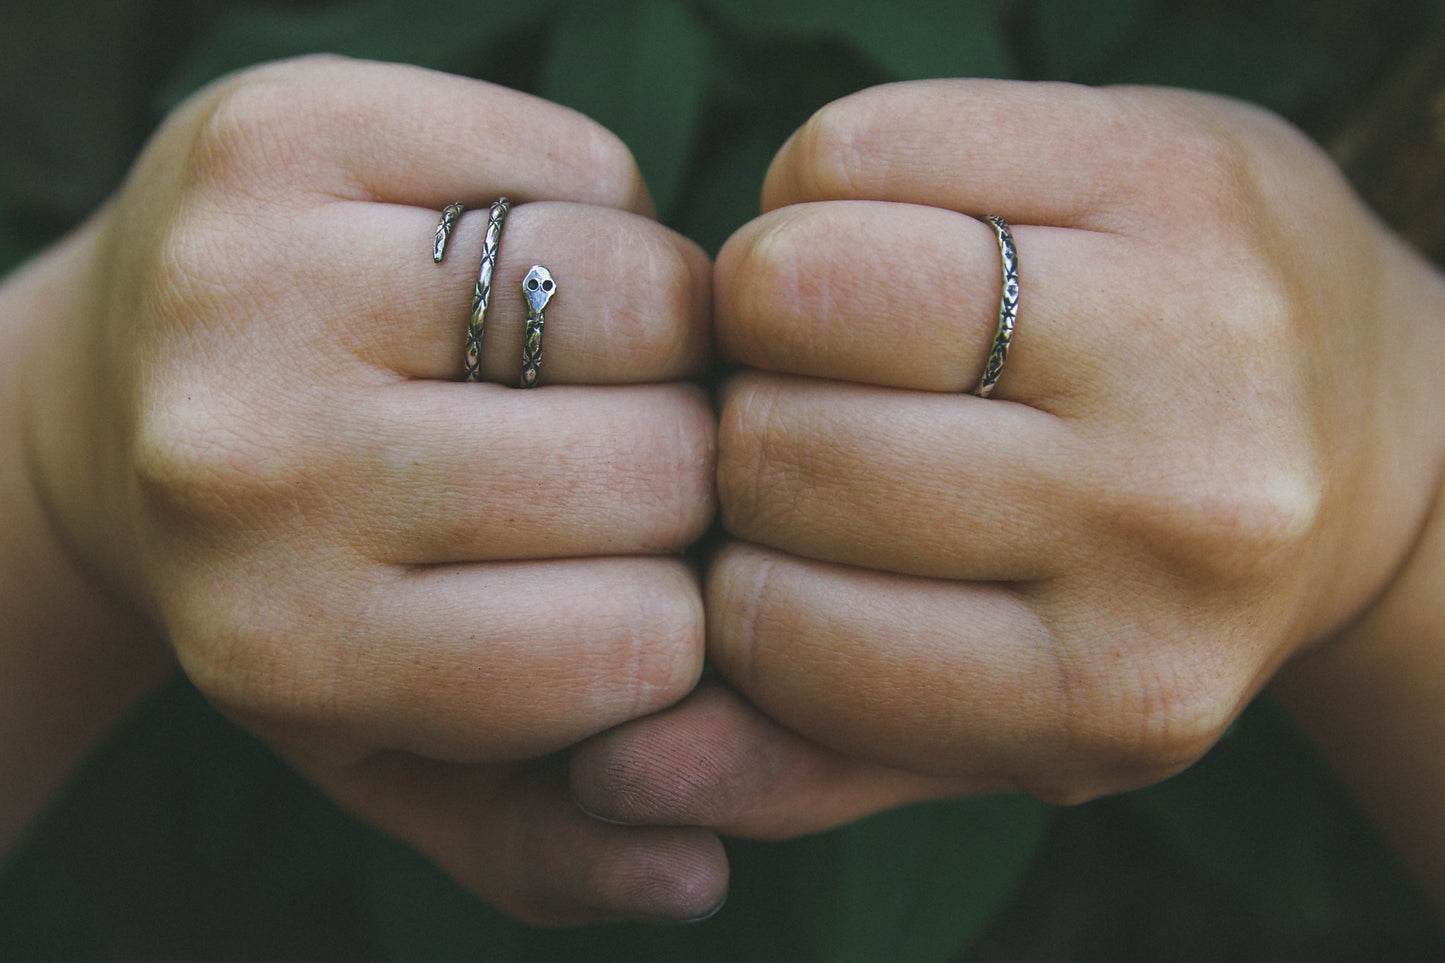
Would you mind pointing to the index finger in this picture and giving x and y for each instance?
(1034, 153)
(405, 135)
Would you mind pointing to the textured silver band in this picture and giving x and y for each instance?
(482, 295)
(450, 214)
(538, 288)
(1008, 307)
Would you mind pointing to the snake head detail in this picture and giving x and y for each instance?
(538, 287)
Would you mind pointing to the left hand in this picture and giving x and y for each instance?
(1210, 448)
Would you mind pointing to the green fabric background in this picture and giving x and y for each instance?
(186, 840)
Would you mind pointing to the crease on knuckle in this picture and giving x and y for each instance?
(1179, 711)
(1129, 725)
(666, 644)
(191, 461)
(749, 608)
(745, 463)
(202, 455)
(663, 476)
(1236, 529)
(600, 160)
(257, 134)
(660, 337)
(268, 672)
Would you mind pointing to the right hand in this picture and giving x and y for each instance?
(251, 430)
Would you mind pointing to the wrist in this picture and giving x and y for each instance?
(1371, 698)
(1389, 432)
(74, 659)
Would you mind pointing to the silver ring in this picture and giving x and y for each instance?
(482, 294)
(538, 288)
(1008, 307)
(450, 214)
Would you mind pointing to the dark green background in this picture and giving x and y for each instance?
(186, 840)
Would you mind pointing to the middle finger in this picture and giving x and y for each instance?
(901, 481)
(632, 305)
(478, 472)
(907, 296)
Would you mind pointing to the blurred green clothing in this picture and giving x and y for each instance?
(185, 839)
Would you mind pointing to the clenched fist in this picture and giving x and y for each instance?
(1214, 441)
(250, 427)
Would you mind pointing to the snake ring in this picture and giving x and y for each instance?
(482, 294)
(450, 215)
(538, 288)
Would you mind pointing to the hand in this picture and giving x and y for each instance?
(252, 430)
(1212, 445)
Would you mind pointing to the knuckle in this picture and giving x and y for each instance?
(747, 607)
(200, 439)
(1122, 736)
(674, 338)
(827, 154)
(241, 136)
(191, 271)
(259, 128)
(1258, 314)
(1209, 156)
(1186, 158)
(1240, 503)
(1250, 532)
(604, 167)
(1238, 528)
(1184, 136)
(665, 472)
(197, 454)
(201, 274)
(1176, 717)
(772, 269)
(256, 669)
(747, 461)
(186, 460)
(666, 644)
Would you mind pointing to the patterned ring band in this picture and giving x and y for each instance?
(450, 215)
(1008, 307)
(482, 294)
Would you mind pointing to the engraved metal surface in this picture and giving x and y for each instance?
(1008, 307)
(538, 288)
(482, 295)
(450, 214)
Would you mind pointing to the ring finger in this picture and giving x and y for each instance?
(632, 302)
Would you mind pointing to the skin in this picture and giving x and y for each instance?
(246, 454)
(1214, 457)
(1213, 460)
